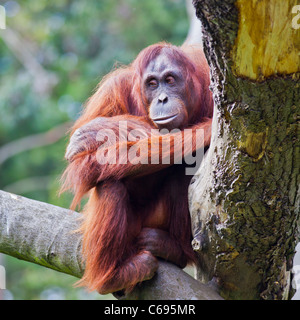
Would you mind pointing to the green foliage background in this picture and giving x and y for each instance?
(76, 42)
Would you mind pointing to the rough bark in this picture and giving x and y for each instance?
(40, 233)
(44, 234)
(245, 198)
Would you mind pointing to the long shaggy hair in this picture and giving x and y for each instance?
(112, 221)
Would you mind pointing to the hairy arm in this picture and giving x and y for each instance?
(122, 146)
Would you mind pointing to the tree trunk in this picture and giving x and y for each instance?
(244, 200)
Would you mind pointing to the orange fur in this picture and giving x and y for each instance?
(125, 196)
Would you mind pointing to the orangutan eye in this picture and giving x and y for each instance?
(153, 83)
(170, 80)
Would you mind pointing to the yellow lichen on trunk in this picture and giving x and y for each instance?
(266, 43)
(254, 144)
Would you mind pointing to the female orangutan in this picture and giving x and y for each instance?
(138, 207)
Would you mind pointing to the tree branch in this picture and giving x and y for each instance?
(44, 234)
(40, 233)
(43, 80)
(33, 141)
